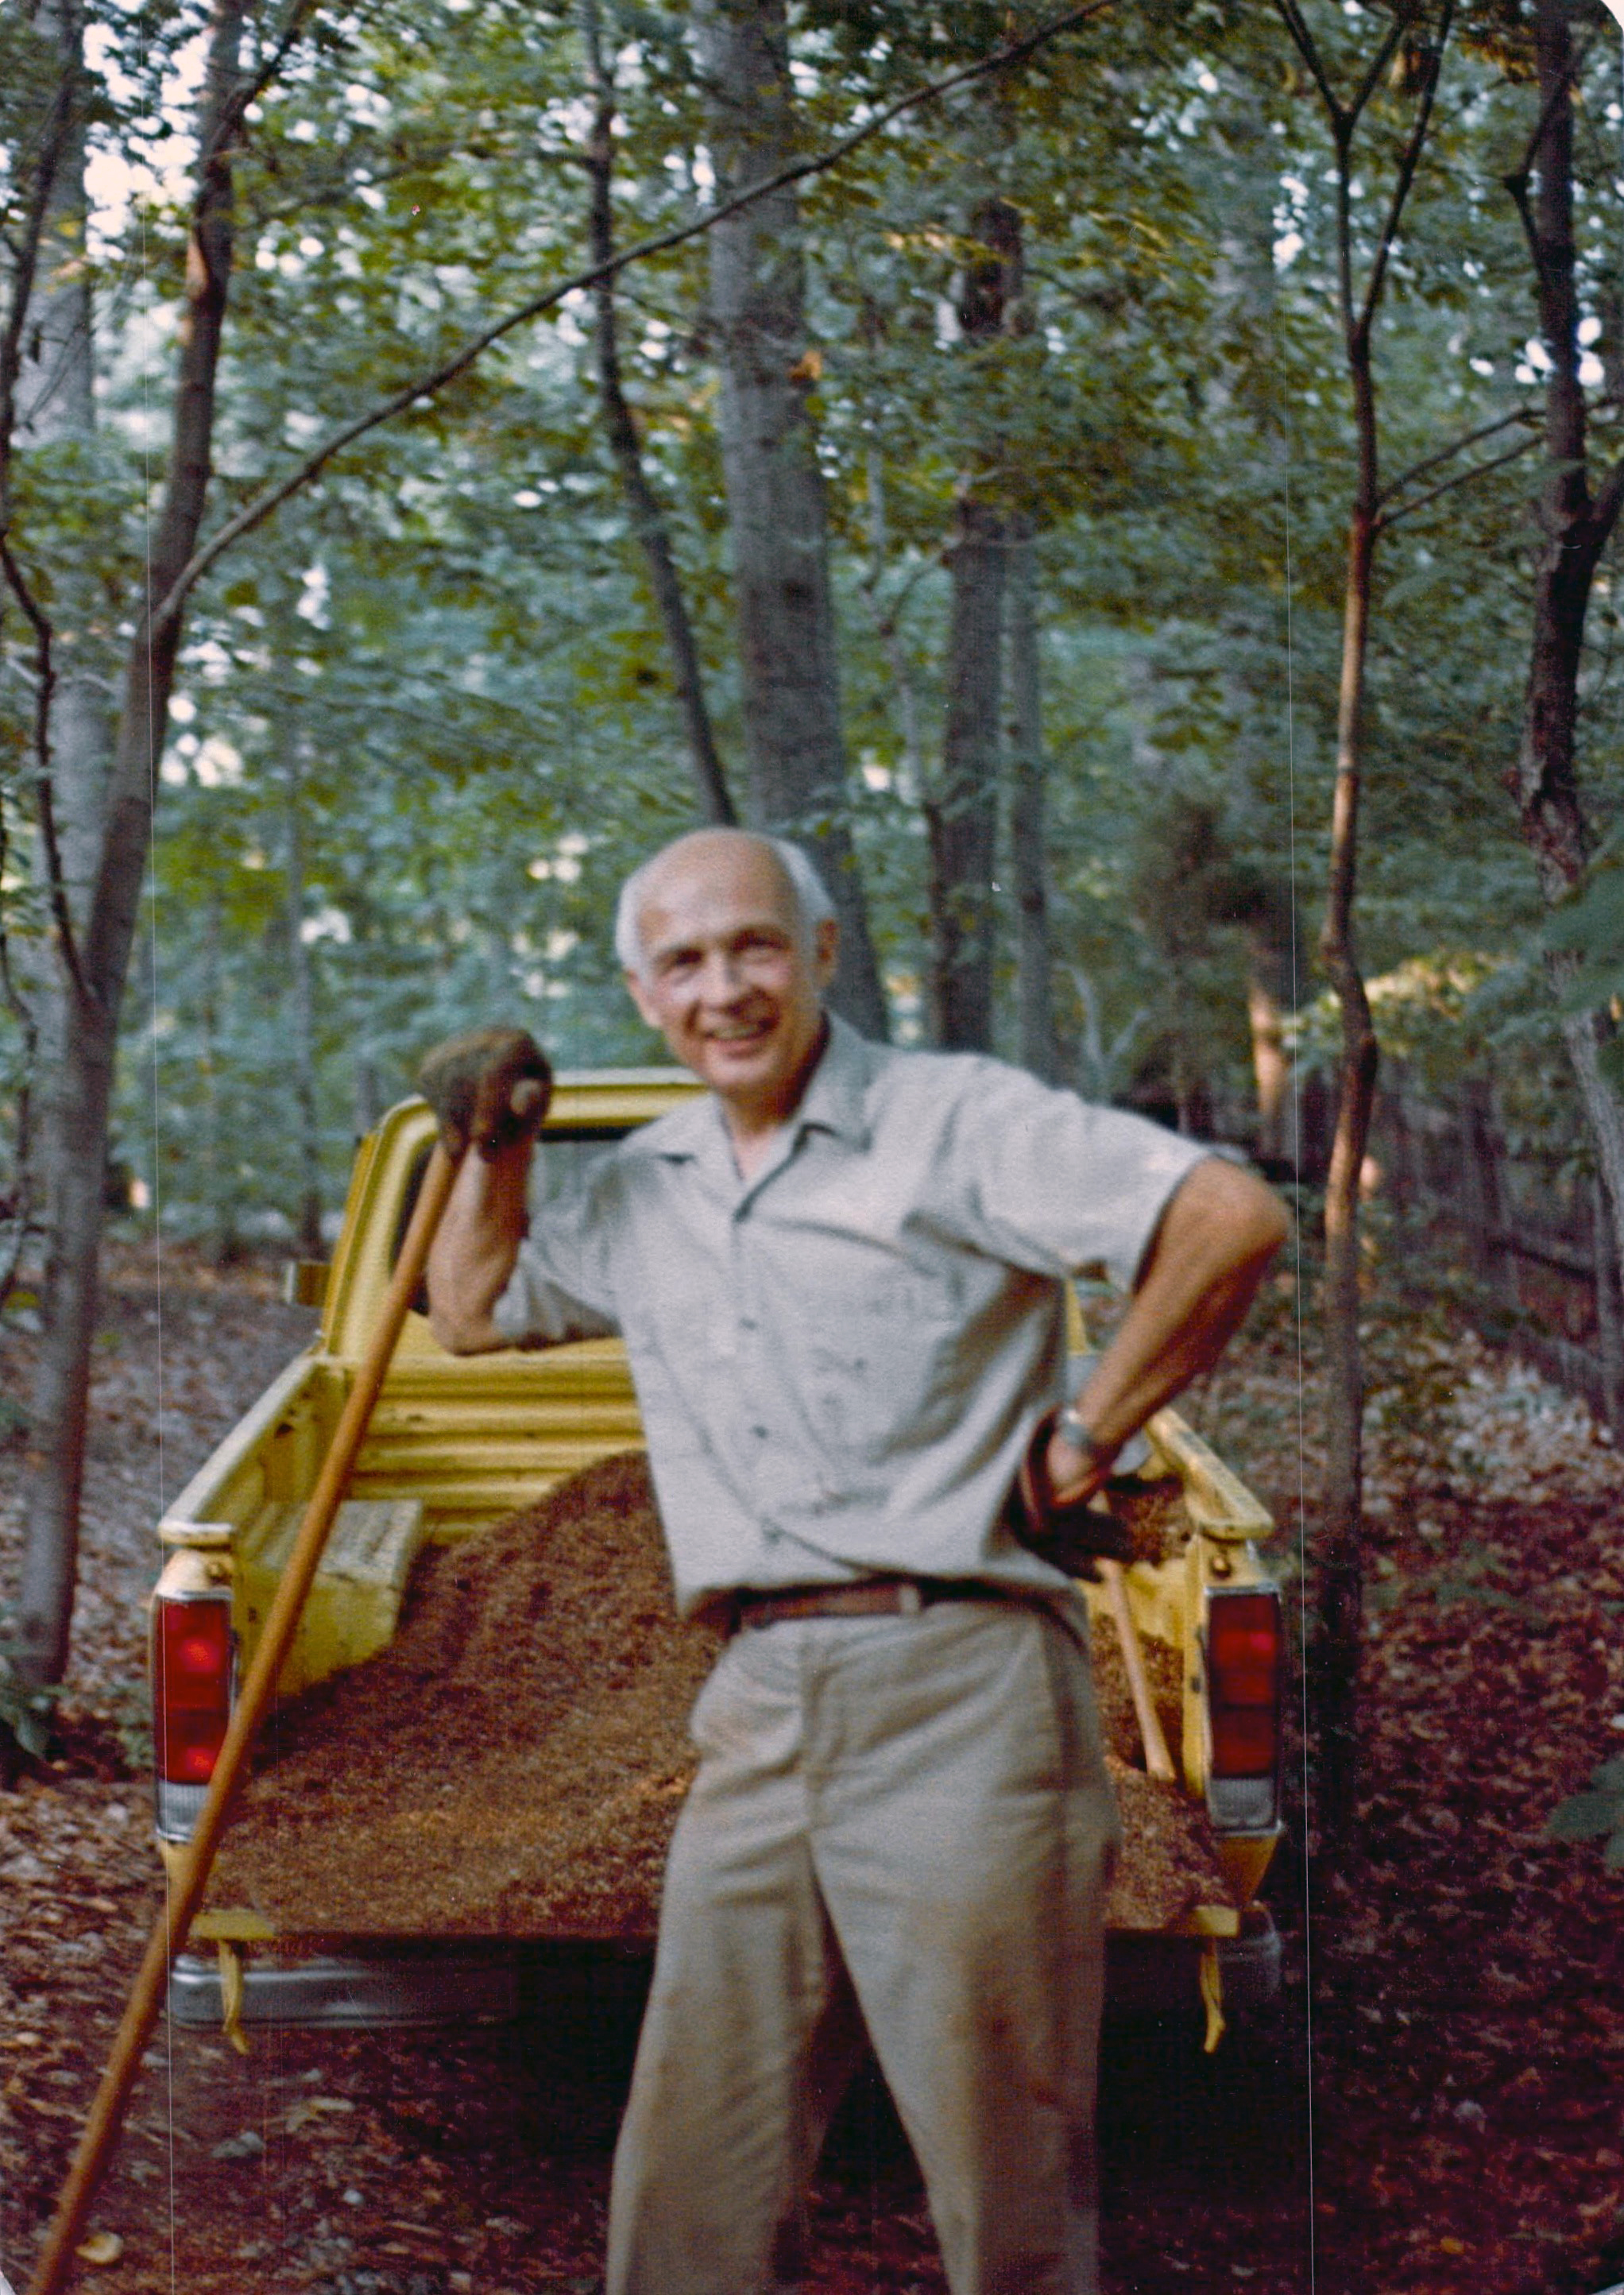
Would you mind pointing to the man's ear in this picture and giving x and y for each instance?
(637, 989)
(826, 952)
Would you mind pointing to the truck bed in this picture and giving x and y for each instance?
(512, 1763)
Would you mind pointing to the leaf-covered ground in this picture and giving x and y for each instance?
(1441, 2111)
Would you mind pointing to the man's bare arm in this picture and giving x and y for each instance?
(473, 1253)
(489, 1089)
(1211, 1252)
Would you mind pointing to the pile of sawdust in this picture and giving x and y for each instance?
(1168, 1864)
(1155, 1516)
(513, 1763)
(1118, 1724)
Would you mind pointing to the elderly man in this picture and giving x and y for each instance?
(840, 1279)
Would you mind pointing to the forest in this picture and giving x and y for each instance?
(1132, 487)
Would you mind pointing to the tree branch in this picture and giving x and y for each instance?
(1408, 166)
(53, 144)
(647, 517)
(1448, 453)
(1391, 518)
(1609, 501)
(44, 691)
(249, 89)
(271, 498)
(1384, 56)
(1302, 40)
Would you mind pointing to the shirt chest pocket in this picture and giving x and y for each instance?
(878, 1365)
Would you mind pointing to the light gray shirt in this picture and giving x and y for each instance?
(839, 1360)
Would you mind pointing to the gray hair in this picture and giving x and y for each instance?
(813, 904)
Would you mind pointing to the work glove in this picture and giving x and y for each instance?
(1073, 1536)
(491, 1086)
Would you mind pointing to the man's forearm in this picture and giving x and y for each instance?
(1210, 1253)
(473, 1253)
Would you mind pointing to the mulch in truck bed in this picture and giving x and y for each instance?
(513, 1763)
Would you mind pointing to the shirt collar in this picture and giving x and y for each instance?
(837, 1091)
(834, 1101)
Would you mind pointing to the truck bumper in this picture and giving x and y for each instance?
(442, 1983)
(1155, 1975)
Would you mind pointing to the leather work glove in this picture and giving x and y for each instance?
(1074, 1537)
(491, 1086)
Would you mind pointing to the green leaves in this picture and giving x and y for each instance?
(1599, 1809)
(1588, 932)
(25, 1713)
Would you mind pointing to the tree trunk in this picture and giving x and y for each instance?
(1481, 1191)
(1342, 1570)
(55, 383)
(1270, 1065)
(307, 1227)
(224, 1241)
(73, 1116)
(1609, 1308)
(1574, 529)
(1028, 830)
(789, 678)
(962, 814)
(647, 518)
(1339, 1626)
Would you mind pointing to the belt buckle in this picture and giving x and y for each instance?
(910, 1598)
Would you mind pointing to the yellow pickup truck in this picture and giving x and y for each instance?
(455, 1446)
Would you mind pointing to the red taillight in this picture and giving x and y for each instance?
(1244, 1683)
(191, 1686)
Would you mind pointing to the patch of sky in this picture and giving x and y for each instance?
(314, 589)
(326, 924)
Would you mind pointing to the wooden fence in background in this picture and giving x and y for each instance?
(1540, 1245)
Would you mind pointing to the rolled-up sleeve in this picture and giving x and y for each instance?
(1055, 1184)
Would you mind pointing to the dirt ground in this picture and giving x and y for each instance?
(1438, 2111)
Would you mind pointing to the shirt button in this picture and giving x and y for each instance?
(772, 1533)
(747, 1323)
(760, 1433)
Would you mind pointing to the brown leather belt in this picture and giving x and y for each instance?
(866, 1598)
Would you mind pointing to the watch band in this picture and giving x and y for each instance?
(1071, 1429)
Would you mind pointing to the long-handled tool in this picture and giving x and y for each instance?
(1158, 1760)
(170, 1930)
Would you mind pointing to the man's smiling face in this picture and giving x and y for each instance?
(729, 975)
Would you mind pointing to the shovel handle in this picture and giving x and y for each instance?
(1158, 1760)
(170, 1930)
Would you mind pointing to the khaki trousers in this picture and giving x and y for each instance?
(898, 1823)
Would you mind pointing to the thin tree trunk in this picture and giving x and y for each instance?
(77, 1092)
(1339, 1626)
(647, 518)
(1270, 1065)
(225, 1240)
(1341, 1610)
(962, 813)
(1028, 829)
(789, 678)
(1575, 527)
(302, 993)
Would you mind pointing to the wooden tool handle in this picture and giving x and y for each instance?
(1158, 1760)
(186, 1894)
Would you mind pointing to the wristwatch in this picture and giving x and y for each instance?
(1071, 1429)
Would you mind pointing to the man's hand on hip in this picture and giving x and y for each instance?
(490, 1086)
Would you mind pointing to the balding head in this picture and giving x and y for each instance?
(807, 903)
(728, 943)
